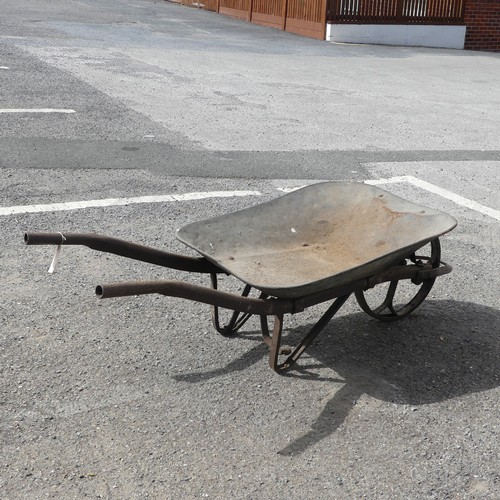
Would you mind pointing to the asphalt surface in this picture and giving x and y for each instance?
(138, 397)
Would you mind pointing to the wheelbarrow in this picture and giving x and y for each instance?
(317, 244)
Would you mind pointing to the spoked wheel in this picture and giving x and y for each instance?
(396, 299)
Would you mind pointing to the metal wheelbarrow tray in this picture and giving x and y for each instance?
(319, 243)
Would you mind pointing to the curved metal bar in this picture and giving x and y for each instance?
(237, 320)
(389, 300)
(197, 293)
(428, 268)
(125, 249)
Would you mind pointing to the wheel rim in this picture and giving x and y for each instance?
(389, 306)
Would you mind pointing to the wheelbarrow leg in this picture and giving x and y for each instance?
(275, 340)
(276, 343)
(237, 319)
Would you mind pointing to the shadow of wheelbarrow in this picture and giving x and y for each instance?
(449, 349)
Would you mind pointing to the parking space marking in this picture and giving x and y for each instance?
(116, 202)
(38, 110)
(427, 186)
(444, 193)
(109, 202)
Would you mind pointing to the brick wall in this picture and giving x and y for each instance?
(482, 18)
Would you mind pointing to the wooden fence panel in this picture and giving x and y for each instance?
(241, 9)
(306, 17)
(210, 4)
(269, 13)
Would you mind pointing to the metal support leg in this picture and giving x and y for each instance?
(275, 340)
(237, 319)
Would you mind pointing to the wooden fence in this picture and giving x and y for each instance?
(309, 17)
(396, 11)
(269, 13)
(304, 17)
(241, 9)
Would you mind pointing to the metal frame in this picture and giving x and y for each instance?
(422, 271)
(427, 12)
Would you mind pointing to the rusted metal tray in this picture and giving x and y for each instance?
(320, 243)
(316, 238)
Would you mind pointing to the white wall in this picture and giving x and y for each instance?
(451, 37)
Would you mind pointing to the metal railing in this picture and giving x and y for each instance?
(396, 11)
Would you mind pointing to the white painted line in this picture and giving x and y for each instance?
(392, 180)
(38, 110)
(289, 189)
(116, 202)
(456, 198)
(444, 193)
(4, 67)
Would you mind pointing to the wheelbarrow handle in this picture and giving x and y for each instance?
(124, 249)
(197, 293)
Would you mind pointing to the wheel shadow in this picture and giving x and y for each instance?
(445, 350)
